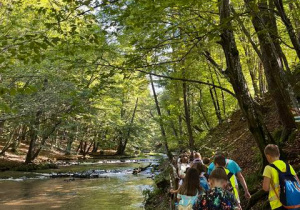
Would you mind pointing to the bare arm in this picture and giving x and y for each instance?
(241, 179)
(297, 178)
(174, 191)
(266, 184)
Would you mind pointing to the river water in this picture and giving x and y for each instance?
(118, 189)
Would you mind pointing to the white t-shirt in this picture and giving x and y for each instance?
(182, 168)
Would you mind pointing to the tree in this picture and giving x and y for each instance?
(277, 82)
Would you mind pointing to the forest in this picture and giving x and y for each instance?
(125, 77)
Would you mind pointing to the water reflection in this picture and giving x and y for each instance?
(119, 191)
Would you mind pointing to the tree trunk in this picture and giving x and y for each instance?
(261, 78)
(72, 138)
(130, 126)
(79, 148)
(187, 117)
(237, 79)
(163, 132)
(180, 130)
(10, 139)
(45, 136)
(21, 137)
(215, 100)
(275, 35)
(252, 68)
(2, 122)
(295, 18)
(290, 29)
(277, 83)
(69, 145)
(86, 148)
(122, 145)
(95, 146)
(173, 126)
(33, 137)
(222, 92)
(247, 33)
(202, 111)
(215, 106)
(180, 126)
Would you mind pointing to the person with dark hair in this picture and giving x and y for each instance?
(206, 161)
(202, 171)
(189, 190)
(234, 168)
(217, 198)
(232, 184)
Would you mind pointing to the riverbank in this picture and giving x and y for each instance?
(159, 197)
(11, 165)
(52, 160)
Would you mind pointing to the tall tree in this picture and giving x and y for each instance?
(277, 82)
(162, 129)
(237, 79)
(288, 24)
(188, 117)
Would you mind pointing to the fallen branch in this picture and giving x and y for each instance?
(259, 195)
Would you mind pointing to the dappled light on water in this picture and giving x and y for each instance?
(118, 191)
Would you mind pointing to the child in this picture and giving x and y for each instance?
(217, 198)
(271, 178)
(234, 168)
(189, 190)
(220, 161)
(206, 161)
(202, 171)
(197, 158)
(182, 168)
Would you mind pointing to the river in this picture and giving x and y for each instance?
(117, 189)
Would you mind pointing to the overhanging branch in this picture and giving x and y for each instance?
(187, 80)
(167, 77)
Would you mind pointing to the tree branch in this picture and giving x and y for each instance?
(187, 80)
(139, 69)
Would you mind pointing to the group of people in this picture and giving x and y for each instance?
(213, 185)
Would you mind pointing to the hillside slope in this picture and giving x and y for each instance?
(234, 138)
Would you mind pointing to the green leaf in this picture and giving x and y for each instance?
(4, 107)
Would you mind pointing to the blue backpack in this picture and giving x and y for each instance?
(289, 189)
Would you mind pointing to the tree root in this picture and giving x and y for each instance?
(259, 195)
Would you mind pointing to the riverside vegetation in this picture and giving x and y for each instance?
(88, 78)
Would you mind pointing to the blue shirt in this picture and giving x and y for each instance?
(204, 183)
(232, 166)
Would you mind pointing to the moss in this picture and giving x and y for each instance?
(277, 135)
(34, 167)
(6, 165)
(158, 197)
(253, 181)
(292, 137)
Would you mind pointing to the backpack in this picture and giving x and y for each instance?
(289, 189)
(187, 202)
(229, 186)
(189, 207)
